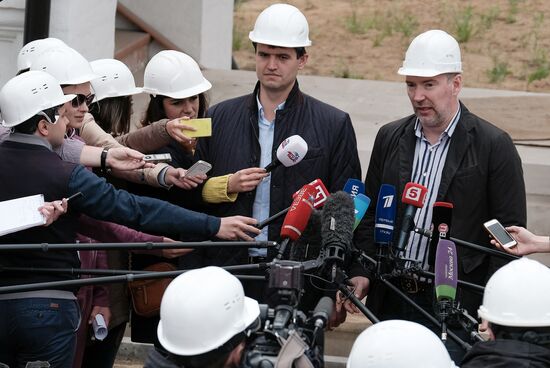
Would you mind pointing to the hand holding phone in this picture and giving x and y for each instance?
(499, 233)
(199, 167)
(158, 157)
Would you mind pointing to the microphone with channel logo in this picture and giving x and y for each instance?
(290, 152)
(297, 217)
(441, 227)
(414, 196)
(446, 280)
(356, 189)
(384, 224)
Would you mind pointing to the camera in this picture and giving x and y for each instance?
(284, 329)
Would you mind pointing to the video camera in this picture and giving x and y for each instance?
(286, 333)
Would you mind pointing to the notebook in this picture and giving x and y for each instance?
(21, 213)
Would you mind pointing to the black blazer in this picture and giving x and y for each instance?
(482, 177)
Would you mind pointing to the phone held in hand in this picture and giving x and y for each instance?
(499, 233)
(158, 157)
(199, 167)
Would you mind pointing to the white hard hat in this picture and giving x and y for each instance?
(31, 50)
(115, 79)
(398, 344)
(174, 74)
(281, 25)
(518, 295)
(202, 309)
(27, 94)
(64, 64)
(432, 53)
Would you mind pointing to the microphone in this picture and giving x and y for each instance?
(321, 196)
(354, 187)
(361, 203)
(297, 217)
(289, 153)
(308, 246)
(385, 215)
(414, 196)
(322, 312)
(441, 227)
(446, 280)
(337, 229)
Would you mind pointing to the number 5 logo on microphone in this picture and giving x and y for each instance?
(413, 193)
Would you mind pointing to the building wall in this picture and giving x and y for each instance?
(202, 29)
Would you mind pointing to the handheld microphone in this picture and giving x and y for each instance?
(308, 246)
(337, 229)
(441, 227)
(322, 312)
(321, 196)
(446, 280)
(289, 153)
(385, 215)
(354, 187)
(414, 196)
(297, 217)
(361, 203)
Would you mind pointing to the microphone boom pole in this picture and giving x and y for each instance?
(141, 246)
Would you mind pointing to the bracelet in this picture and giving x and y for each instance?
(103, 161)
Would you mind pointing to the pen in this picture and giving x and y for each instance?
(76, 195)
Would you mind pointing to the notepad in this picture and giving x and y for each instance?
(21, 213)
(203, 126)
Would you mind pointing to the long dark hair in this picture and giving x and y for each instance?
(155, 110)
(114, 114)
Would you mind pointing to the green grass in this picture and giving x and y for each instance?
(464, 25)
(498, 72)
(513, 10)
(487, 19)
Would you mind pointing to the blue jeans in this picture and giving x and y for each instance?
(38, 329)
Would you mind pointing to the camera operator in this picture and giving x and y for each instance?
(515, 307)
(398, 344)
(204, 321)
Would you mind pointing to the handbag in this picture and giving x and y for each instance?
(147, 294)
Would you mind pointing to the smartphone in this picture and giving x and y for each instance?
(158, 157)
(199, 167)
(499, 233)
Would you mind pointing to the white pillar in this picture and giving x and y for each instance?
(88, 26)
(203, 29)
(12, 19)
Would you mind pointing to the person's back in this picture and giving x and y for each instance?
(516, 307)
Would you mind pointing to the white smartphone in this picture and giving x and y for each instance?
(199, 167)
(158, 157)
(499, 233)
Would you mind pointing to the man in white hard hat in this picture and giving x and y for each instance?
(41, 325)
(516, 310)
(204, 321)
(247, 130)
(460, 158)
(398, 344)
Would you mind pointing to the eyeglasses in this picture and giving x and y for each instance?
(80, 99)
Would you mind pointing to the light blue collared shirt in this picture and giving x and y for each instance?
(260, 209)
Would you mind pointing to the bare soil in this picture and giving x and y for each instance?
(505, 45)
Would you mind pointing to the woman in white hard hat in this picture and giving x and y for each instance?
(178, 91)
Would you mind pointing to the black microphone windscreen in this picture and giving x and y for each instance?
(308, 245)
(337, 220)
(324, 308)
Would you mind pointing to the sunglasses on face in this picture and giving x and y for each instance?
(80, 99)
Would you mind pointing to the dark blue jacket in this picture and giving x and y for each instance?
(332, 150)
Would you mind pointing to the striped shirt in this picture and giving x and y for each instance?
(428, 164)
